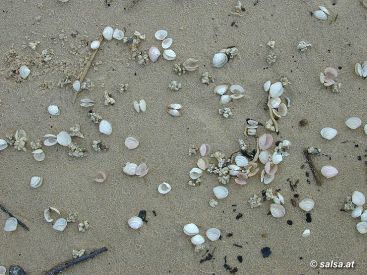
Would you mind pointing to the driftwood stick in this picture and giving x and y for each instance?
(70, 263)
(22, 224)
(312, 166)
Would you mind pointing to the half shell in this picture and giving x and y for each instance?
(265, 141)
(191, 64)
(11, 224)
(24, 71)
(49, 140)
(219, 60)
(105, 127)
(220, 192)
(221, 89)
(329, 171)
(160, 34)
(130, 168)
(3, 144)
(142, 170)
(53, 110)
(164, 188)
(328, 133)
(358, 198)
(197, 240)
(307, 204)
(107, 33)
(60, 224)
(36, 181)
(48, 212)
(191, 229)
(169, 54)
(39, 155)
(276, 89)
(154, 53)
(237, 91)
(131, 143)
(167, 43)
(204, 149)
(353, 122)
(63, 138)
(362, 227)
(135, 222)
(277, 210)
(213, 234)
(118, 34)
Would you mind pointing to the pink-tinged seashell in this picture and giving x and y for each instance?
(241, 179)
(203, 164)
(154, 54)
(204, 150)
(265, 141)
(270, 168)
(329, 171)
(131, 143)
(330, 73)
(142, 170)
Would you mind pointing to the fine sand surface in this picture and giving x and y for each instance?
(199, 29)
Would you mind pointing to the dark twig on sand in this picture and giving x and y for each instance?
(22, 224)
(312, 166)
(65, 265)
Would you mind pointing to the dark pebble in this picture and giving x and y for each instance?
(289, 222)
(359, 158)
(16, 270)
(239, 216)
(265, 251)
(303, 122)
(143, 215)
(239, 258)
(308, 217)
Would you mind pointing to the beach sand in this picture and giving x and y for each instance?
(199, 29)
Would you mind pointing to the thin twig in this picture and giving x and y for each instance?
(65, 265)
(22, 224)
(312, 166)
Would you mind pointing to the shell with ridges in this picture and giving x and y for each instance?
(307, 204)
(213, 234)
(220, 192)
(277, 210)
(197, 240)
(191, 229)
(219, 60)
(328, 133)
(135, 222)
(36, 181)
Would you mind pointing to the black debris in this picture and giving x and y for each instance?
(239, 258)
(208, 256)
(289, 222)
(266, 251)
(143, 214)
(239, 216)
(237, 245)
(228, 267)
(308, 217)
(229, 235)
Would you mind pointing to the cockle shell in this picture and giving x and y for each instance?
(307, 204)
(213, 234)
(358, 198)
(174, 112)
(357, 212)
(265, 141)
(141, 170)
(53, 110)
(60, 224)
(196, 173)
(118, 34)
(276, 89)
(24, 71)
(160, 34)
(39, 155)
(224, 99)
(131, 143)
(319, 14)
(95, 45)
(202, 163)
(47, 213)
(329, 171)
(11, 224)
(105, 127)
(3, 144)
(267, 85)
(63, 138)
(107, 33)
(241, 161)
(328, 133)
(167, 43)
(49, 140)
(197, 240)
(36, 181)
(237, 91)
(191, 64)
(362, 227)
(154, 54)
(191, 229)
(277, 158)
(204, 149)
(164, 188)
(353, 122)
(130, 168)
(221, 89)
(77, 86)
(277, 210)
(219, 60)
(220, 192)
(264, 156)
(169, 54)
(135, 222)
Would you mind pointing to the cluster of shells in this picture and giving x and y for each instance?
(355, 204)
(198, 240)
(168, 54)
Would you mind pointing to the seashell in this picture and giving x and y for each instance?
(213, 234)
(270, 168)
(24, 71)
(241, 178)
(3, 144)
(358, 198)
(95, 45)
(353, 122)
(11, 224)
(204, 150)
(108, 33)
(364, 216)
(277, 158)
(47, 213)
(237, 91)
(277, 210)
(306, 233)
(135, 222)
(362, 227)
(278, 199)
(169, 54)
(219, 60)
(307, 204)
(49, 140)
(196, 173)
(101, 177)
(164, 188)
(142, 105)
(220, 192)
(329, 171)
(136, 106)
(282, 110)
(76, 86)
(105, 127)
(234, 170)
(203, 164)
(175, 106)
(328, 133)
(265, 141)
(275, 102)
(131, 143)
(221, 89)
(60, 224)
(319, 14)
(324, 10)
(53, 110)
(224, 99)
(167, 43)
(276, 89)
(130, 168)
(267, 85)
(39, 155)
(266, 178)
(174, 112)
(86, 102)
(154, 54)
(357, 212)
(36, 181)
(2, 270)
(160, 34)
(264, 156)
(63, 138)
(197, 240)
(191, 229)
(241, 161)
(361, 69)
(118, 34)
(191, 64)
(142, 170)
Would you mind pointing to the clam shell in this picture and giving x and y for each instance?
(237, 91)
(241, 161)
(118, 34)
(202, 163)
(213, 234)
(358, 69)
(135, 222)
(219, 60)
(164, 188)
(39, 155)
(131, 143)
(63, 138)
(53, 110)
(107, 33)
(307, 204)
(24, 71)
(353, 122)
(220, 192)
(76, 86)
(362, 227)
(358, 198)
(265, 141)
(136, 106)
(264, 156)
(60, 224)
(196, 173)
(160, 34)
(221, 89)
(86, 102)
(191, 229)
(204, 149)
(167, 43)
(225, 99)
(329, 171)
(191, 64)
(197, 240)
(154, 54)
(277, 158)
(276, 89)
(328, 133)
(267, 85)
(275, 102)
(142, 105)
(169, 54)
(174, 112)
(175, 106)
(319, 14)
(105, 127)
(142, 170)
(49, 140)
(130, 168)
(94, 45)
(266, 178)
(11, 224)
(47, 213)
(324, 10)
(357, 212)
(36, 181)
(3, 144)
(277, 210)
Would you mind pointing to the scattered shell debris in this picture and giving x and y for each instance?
(207, 78)
(355, 204)
(303, 46)
(174, 85)
(189, 65)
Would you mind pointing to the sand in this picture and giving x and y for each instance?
(199, 29)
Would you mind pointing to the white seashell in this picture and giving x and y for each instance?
(174, 112)
(86, 102)
(118, 34)
(358, 69)
(39, 155)
(204, 149)
(275, 102)
(49, 140)
(234, 170)
(95, 45)
(237, 91)
(60, 224)
(3, 144)
(36, 181)
(196, 173)
(328, 133)
(53, 110)
(24, 71)
(362, 227)
(353, 122)
(167, 43)
(160, 34)
(154, 54)
(213, 234)
(47, 213)
(142, 170)
(358, 198)
(203, 164)
(278, 199)
(142, 105)
(63, 138)
(264, 156)
(130, 168)
(306, 233)
(169, 54)
(267, 85)
(135, 222)
(364, 216)
(307, 204)
(241, 161)
(266, 178)
(276, 89)
(224, 99)
(175, 106)
(277, 210)
(191, 229)
(2, 270)
(220, 192)
(221, 89)
(108, 33)
(77, 86)
(11, 224)
(357, 212)
(219, 60)
(136, 106)
(164, 188)
(277, 158)
(197, 240)
(324, 10)
(131, 143)
(329, 171)
(105, 127)
(319, 14)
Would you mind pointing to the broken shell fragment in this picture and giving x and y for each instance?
(63, 138)
(3, 144)
(213, 234)
(306, 233)
(265, 141)
(39, 155)
(197, 240)
(130, 168)
(160, 34)
(101, 177)
(191, 64)
(11, 224)
(267, 85)
(105, 127)
(118, 34)
(277, 210)
(108, 33)
(225, 99)
(164, 188)
(276, 89)
(131, 143)
(167, 43)
(154, 54)
(221, 89)
(219, 60)
(220, 192)
(362, 227)
(329, 171)
(191, 229)
(53, 110)
(328, 133)
(353, 122)
(364, 129)
(95, 45)
(174, 109)
(306, 204)
(142, 105)
(24, 71)
(86, 102)
(142, 170)
(169, 54)
(328, 78)
(358, 198)
(196, 173)
(47, 213)
(135, 222)
(60, 224)
(76, 86)
(36, 181)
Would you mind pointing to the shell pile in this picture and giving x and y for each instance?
(356, 205)
(192, 230)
